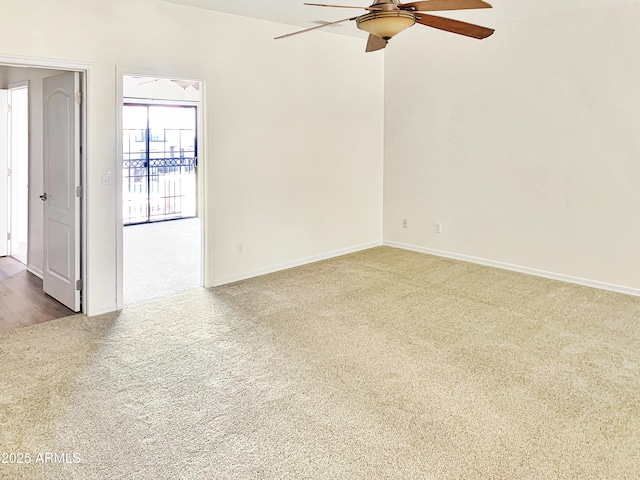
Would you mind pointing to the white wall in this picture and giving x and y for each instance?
(294, 142)
(524, 146)
(34, 76)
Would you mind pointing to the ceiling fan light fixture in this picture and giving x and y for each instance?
(385, 24)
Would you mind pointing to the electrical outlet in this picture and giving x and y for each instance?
(404, 223)
(239, 248)
(438, 228)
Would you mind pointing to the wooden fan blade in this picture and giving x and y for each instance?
(314, 28)
(454, 26)
(441, 5)
(341, 6)
(375, 43)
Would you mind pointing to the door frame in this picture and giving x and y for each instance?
(201, 201)
(84, 69)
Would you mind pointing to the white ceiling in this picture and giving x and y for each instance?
(293, 12)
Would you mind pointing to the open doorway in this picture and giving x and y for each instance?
(18, 162)
(162, 234)
(14, 160)
(41, 137)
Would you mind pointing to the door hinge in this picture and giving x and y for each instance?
(9, 108)
(79, 191)
(9, 236)
(78, 97)
(8, 172)
(79, 284)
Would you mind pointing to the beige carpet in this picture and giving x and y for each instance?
(161, 259)
(377, 365)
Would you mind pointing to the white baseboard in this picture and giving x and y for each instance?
(517, 268)
(36, 271)
(294, 263)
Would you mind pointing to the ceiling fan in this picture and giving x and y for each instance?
(387, 18)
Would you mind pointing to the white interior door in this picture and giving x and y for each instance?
(4, 171)
(61, 183)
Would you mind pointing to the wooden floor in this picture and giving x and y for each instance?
(22, 301)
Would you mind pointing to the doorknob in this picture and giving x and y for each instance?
(43, 197)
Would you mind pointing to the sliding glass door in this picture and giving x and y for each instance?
(159, 163)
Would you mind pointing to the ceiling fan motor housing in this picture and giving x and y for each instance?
(386, 22)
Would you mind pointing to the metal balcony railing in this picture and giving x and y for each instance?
(158, 189)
